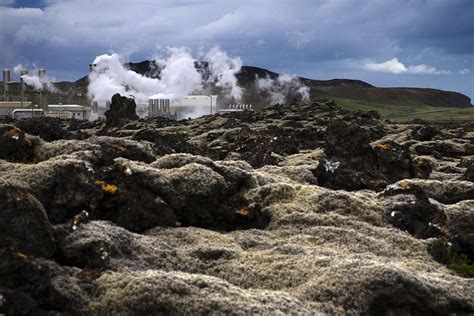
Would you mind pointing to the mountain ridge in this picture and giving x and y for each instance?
(338, 89)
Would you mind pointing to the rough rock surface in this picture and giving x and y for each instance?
(297, 209)
(121, 108)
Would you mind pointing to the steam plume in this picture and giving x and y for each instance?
(178, 76)
(35, 81)
(283, 89)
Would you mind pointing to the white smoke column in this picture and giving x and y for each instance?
(223, 70)
(283, 87)
(179, 76)
(18, 68)
(109, 76)
(35, 81)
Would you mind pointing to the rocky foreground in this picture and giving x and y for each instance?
(298, 209)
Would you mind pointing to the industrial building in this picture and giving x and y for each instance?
(192, 106)
(66, 111)
(236, 108)
(7, 107)
(22, 101)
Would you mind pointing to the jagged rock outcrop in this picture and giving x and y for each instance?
(297, 209)
(121, 108)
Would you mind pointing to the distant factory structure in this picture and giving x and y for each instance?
(33, 96)
(191, 106)
(20, 100)
(236, 108)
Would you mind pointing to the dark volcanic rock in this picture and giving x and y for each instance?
(425, 133)
(469, 174)
(411, 211)
(50, 129)
(121, 108)
(24, 226)
(268, 212)
(15, 145)
(352, 163)
(165, 143)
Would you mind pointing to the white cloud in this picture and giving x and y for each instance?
(64, 35)
(299, 40)
(464, 71)
(394, 66)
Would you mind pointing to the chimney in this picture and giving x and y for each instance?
(6, 80)
(42, 73)
(23, 72)
(43, 99)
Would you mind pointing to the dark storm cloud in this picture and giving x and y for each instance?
(429, 42)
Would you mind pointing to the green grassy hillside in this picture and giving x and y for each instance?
(411, 104)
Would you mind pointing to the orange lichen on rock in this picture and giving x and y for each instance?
(244, 212)
(383, 146)
(12, 133)
(106, 186)
(22, 256)
(376, 182)
(119, 149)
(86, 276)
(404, 185)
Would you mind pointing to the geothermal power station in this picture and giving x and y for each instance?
(32, 98)
(21, 100)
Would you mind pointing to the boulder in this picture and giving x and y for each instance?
(121, 108)
(24, 225)
(16, 145)
(353, 163)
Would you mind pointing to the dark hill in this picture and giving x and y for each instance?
(347, 91)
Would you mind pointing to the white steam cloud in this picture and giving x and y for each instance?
(43, 83)
(223, 70)
(178, 76)
(394, 66)
(283, 89)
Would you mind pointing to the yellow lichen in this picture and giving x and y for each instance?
(106, 186)
(383, 146)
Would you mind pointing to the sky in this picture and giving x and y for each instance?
(415, 43)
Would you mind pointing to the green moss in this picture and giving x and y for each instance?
(469, 128)
(442, 251)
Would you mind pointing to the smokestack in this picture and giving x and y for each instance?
(6, 75)
(6, 80)
(43, 101)
(42, 73)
